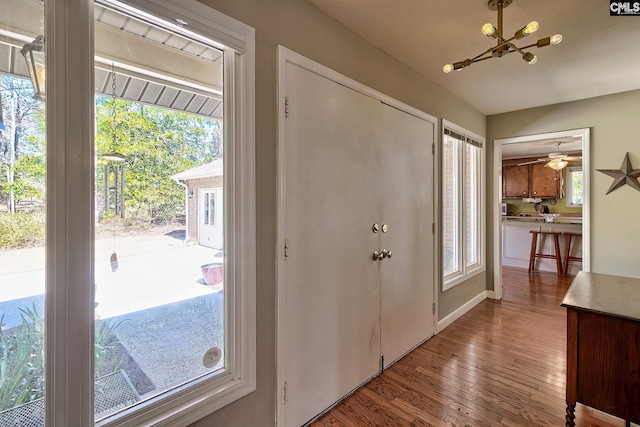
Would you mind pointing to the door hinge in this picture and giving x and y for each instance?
(433, 149)
(285, 391)
(286, 106)
(433, 308)
(286, 248)
(433, 228)
(382, 363)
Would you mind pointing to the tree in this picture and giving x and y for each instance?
(157, 143)
(22, 155)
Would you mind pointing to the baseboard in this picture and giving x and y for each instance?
(442, 324)
(491, 294)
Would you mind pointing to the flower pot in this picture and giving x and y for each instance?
(213, 273)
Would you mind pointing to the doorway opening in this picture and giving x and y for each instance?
(535, 193)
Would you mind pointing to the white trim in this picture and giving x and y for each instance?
(464, 272)
(69, 316)
(461, 311)
(585, 134)
(288, 56)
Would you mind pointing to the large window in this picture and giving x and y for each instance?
(150, 307)
(462, 205)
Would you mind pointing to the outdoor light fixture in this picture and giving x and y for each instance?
(505, 46)
(34, 55)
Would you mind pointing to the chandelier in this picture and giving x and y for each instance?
(505, 46)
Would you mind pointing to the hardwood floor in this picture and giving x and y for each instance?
(501, 364)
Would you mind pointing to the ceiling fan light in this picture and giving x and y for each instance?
(557, 164)
(488, 29)
(556, 39)
(447, 68)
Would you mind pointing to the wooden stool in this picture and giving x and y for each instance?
(534, 249)
(568, 235)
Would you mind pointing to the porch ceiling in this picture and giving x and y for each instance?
(152, 65)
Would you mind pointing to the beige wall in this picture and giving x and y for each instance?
(299, 26)
(613, 120)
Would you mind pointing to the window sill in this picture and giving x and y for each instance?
(452, 282)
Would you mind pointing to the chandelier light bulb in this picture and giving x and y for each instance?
(530, 58)
(531, 28)
(488, 29)
(556, 39)
(447, 68)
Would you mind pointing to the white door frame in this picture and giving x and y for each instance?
(497, 197)
(288, 56)
(217, 233)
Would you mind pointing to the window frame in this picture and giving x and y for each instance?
(70, 219)
(463, 271)
(569, 185)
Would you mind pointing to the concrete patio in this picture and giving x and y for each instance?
(167, 316)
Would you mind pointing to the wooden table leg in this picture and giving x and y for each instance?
(571, 416)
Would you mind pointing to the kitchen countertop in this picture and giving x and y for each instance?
(536, 218)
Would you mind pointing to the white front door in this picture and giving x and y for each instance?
(407, 211)
(332, 284)
(350, 162)
(210, 223)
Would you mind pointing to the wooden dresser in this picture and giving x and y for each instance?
(603, 345)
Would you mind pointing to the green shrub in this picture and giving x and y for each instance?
(22, 357)
(22, 229)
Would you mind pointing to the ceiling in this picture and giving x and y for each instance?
(598, 54)
(568, 144)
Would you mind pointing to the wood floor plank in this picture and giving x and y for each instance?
(502, 364)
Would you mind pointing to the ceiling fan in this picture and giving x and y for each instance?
(555, 160)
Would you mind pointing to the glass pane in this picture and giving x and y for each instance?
(450, 250)
(575, 181)
(22, 214)
(471, 202)
(159, 309)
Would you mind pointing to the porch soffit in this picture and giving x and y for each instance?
(152, 66)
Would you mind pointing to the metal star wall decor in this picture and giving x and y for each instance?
(625, 175)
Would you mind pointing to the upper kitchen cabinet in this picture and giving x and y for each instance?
(515, 181)
(533, 180)
(545, 181)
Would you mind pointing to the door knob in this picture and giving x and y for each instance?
(386, 253)
(376, 255)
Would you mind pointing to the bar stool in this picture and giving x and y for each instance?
(534, 249)
(567, 250)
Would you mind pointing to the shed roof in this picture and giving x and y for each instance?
(213, 168)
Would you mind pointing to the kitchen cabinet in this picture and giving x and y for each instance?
(534, 180)
(545, 182)
(515, 181)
